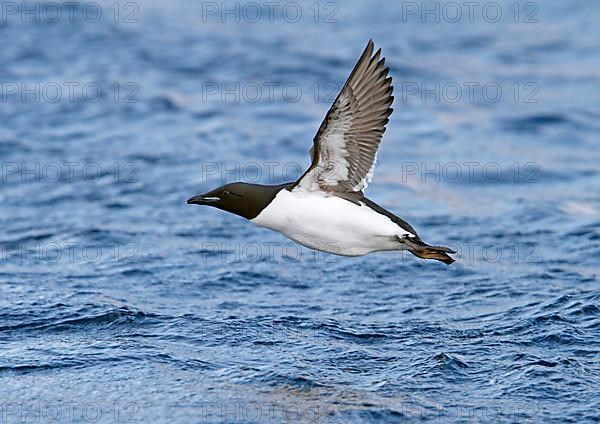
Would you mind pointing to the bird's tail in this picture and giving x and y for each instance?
(425, 251)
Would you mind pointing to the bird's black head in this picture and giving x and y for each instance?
(247, 200)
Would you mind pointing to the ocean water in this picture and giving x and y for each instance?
(119, 303)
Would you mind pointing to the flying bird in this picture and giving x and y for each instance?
(326, 208)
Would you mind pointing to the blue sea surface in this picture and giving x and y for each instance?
(119, 303)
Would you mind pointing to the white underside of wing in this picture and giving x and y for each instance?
(347, 141)
(333, 173)
(334, 168)
(329, 223)
(333, 164)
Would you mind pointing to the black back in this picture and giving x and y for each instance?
(401, 223)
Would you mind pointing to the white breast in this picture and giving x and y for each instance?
(329, 223)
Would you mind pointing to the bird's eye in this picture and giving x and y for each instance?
(226, 193)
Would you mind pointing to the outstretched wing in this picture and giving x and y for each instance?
(345, 148)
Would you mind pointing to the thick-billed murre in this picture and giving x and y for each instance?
(326, 209)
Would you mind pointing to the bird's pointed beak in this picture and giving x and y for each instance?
(203, 199)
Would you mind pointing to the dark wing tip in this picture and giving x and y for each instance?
(369, 49)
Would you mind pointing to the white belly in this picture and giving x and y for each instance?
(329, 223)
